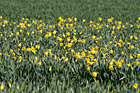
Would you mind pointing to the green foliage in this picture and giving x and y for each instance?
(69, 46)
(89, 9)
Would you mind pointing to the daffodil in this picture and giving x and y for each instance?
(2, 86)
(94, 74)
(135, 85)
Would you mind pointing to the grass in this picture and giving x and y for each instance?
(68, 46)
(89, 9)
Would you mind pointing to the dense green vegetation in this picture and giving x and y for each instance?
(89, 9)
(69, 46)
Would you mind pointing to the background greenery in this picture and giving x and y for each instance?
(89, 9)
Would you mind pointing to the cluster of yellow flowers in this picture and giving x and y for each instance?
(113, 43)
(9, 84)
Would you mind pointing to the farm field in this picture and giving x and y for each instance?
(75, 46)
